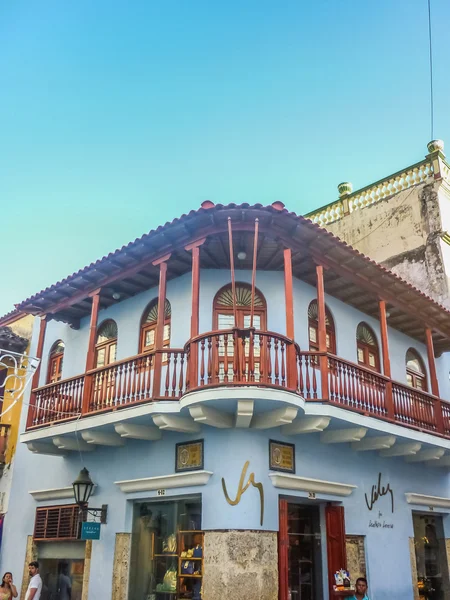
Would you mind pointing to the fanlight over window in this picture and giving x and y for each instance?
(106, 347)
(148, 326)
(55, 362)
(367, 347)
(415, 370)
(313, 328)
(243, 297)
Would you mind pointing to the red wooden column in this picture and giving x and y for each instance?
(322, 331)
(195, 312)
(36, 374)
(386, 358)
(289, 295)
(433, 380)
(90, 357)
(159, 333)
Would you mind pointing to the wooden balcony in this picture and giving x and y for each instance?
(238, 357)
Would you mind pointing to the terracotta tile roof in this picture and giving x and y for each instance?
(175, 234)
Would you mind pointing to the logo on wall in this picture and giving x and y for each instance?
(243, 488)
(378, 491)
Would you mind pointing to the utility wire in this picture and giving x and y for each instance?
(431, 71)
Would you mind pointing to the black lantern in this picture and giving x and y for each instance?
(82, 488)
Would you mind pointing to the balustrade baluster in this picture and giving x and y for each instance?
(225, 358)
(314, 382)
(277, 374)
(300, 374)
(174, 375)
(235, 356)
(202, 362)
(210, 366)
(341, 384)
(148, 367)
(308, 360)
(180, 388)
(167, 386)
(269, 359)
(283, 365)
(331, 375)
(251, 357)
(345, 386)
(243, 369)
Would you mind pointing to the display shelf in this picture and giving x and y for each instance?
(165, 555)
(190, 540)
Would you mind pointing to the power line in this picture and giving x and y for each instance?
(431, 71)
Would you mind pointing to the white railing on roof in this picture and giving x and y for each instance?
(433, 166)
(385, 188)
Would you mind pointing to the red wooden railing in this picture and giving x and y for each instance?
(239, 357)
(415, 408)
(308, 374)
(175, 364)
(356, 387)
(121, 383)
(57, 401)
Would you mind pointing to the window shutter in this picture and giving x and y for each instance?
(337, 558)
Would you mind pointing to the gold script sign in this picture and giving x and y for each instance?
(243, 488)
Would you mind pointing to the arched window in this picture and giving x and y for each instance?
(106, 347)
(313, 328)
(415, 370)
(224, 319)
(223, 308)
(55, 362)
(148, 326)
(368, 353)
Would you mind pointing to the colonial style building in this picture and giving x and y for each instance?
(255, 416)
(401, 221)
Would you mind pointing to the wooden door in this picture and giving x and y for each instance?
(336, 553)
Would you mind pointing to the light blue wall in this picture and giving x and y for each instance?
(128, 313)
(225, 454)
(226, 450)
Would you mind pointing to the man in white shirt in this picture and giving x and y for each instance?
(35, 585)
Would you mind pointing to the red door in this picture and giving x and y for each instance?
(337, 557)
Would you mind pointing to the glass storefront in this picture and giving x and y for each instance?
(167, 550)
(62, 579)
(431, 557)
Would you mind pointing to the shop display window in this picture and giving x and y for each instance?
(167, 550)
(431, 557)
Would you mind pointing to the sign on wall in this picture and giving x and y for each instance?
(189, 456)
(90, 531)
(281, 456)
(379, 490)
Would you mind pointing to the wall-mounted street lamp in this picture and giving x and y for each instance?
(83, 487)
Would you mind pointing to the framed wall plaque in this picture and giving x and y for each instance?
(281, 456)
(189, 456)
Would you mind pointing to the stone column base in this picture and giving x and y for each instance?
(121, 566)
(240, 564)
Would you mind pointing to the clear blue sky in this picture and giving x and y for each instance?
(117, 116)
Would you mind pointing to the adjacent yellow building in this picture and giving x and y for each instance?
(15, 335)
